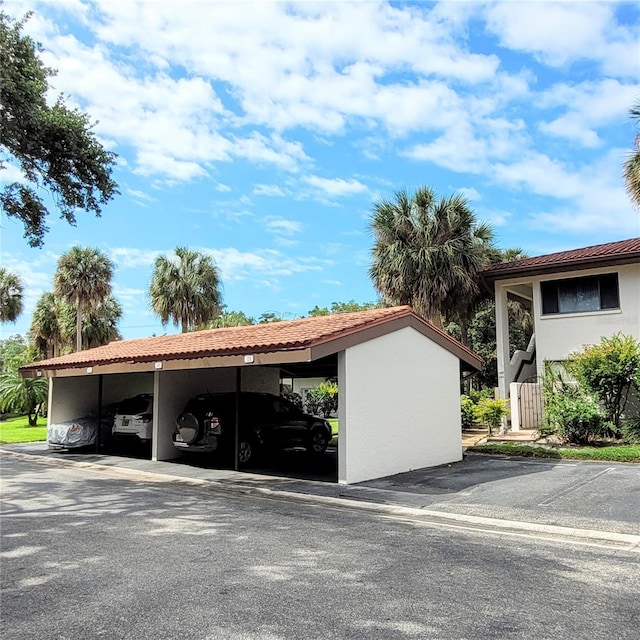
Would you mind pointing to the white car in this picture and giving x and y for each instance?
(134, 418)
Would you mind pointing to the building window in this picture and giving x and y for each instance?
(577, 295)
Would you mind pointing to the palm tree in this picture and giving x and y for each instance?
(45, 325)
(185, 289)
(228, 319)
(11, 289)
(99, 323)
(631, 166)
(428, 252)
(23, 395)
(83, 280)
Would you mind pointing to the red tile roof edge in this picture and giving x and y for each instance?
(610, 253)
(95, 356)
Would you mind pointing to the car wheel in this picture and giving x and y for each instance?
(246, 451)
(318, 441)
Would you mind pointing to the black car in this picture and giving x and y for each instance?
(207, 424)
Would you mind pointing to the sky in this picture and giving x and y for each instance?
(264, 133)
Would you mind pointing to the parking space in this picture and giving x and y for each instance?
(581, 494)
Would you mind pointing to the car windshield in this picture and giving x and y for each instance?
(134, 406)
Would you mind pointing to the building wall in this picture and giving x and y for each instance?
(558, 335)
(399, 406)
(72, 397)
(118, 386)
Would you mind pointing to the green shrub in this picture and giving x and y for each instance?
(293, 397)
(609, 371)
(569, 412)
(631, 430)
(467, 409)
(490, 411)
(323, 400)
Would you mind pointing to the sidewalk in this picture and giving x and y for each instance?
(559, 499)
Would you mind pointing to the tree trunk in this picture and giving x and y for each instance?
(79, 326)
(33, 419)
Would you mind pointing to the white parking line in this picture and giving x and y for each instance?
(572, 488)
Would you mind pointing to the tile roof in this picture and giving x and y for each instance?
(610, 253)
(261, 338)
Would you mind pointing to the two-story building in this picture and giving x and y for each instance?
(576, 297)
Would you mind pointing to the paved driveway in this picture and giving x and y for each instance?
(87, 554)
(585, 495)
(571, 493)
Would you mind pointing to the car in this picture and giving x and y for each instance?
(81, 432)
(134, 419)
(266, 421)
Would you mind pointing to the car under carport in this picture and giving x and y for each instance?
(398, 375)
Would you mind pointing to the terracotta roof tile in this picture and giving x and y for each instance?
(623, 251)
(260, 338)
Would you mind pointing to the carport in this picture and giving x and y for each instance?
(399, 381)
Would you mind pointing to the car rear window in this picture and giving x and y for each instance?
(134, 406)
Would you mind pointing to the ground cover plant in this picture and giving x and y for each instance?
(604, 453)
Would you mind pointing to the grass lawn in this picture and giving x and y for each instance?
(334, 430)
(18, 430)
(607, 453)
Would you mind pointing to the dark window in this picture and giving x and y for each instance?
(135, 406)
(576, 295)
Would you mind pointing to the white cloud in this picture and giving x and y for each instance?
(133, 258)
(470, 193)
(282, 226)
(268, 190)
(587, 106)
(560, 33)
(140, 195)
(594, 195)
(263, 265)
(335, 187)
(471, 147)
(10, 173)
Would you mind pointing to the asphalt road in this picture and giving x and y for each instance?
(89, 554)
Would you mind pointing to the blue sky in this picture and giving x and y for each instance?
(263, 133)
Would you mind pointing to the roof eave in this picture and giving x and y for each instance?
(569, 265)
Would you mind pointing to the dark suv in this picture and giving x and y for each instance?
(207, 424)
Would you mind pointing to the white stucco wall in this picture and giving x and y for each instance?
(306, 383)
(172, 390)
(399, 406)
(558, 335)
(72, 397)
(118, 386)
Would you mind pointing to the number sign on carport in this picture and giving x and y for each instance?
(398, 376)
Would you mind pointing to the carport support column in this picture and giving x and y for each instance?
(236, 463)
(99, 432)
(155, 435)
(502, 340)
(342, 418)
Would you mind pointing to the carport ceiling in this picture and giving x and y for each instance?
(323, 368)
(286, 343)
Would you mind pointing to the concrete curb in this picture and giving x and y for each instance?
(591, 537)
